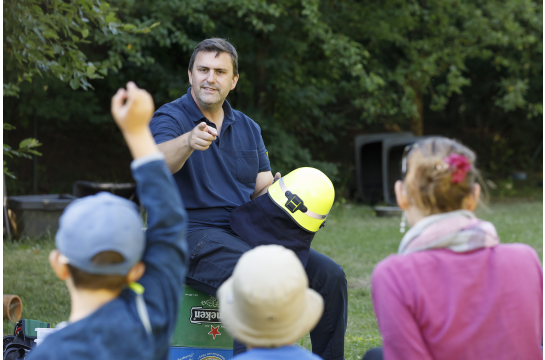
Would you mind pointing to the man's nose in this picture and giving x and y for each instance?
(211, 78)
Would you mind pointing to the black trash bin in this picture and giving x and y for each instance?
(35, 215)
(125, 190)
(392, 154)
(369, 174)
(378, 164)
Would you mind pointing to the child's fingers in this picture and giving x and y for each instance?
(118, 99)
(131, 87)
(132, 91)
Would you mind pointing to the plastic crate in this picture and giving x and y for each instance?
(35, 215)
(125, 190)
(198, 324)
(199, 334)
(192, 353)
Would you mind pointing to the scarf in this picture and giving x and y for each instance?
(459, 231)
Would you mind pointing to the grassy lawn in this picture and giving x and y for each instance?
(353, 237)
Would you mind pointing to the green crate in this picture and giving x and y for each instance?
(198, 323)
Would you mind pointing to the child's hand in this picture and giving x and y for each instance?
(135, 114)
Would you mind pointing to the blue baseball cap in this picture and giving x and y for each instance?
(97, 223)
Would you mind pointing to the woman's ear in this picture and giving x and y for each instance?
(472, 200)
(136, 272)
(401, 195)
(59, 267)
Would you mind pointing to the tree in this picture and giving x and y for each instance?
(423, 47)
(44, 38)
(48, 38)
(26, 149)
(315, 72)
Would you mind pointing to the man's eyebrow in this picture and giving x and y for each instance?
(206, 67)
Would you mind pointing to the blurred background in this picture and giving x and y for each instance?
(314, 74)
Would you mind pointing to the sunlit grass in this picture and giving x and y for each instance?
(354, 237)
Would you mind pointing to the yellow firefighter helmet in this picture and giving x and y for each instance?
(306, 194)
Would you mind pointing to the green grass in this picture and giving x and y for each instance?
(353, 237)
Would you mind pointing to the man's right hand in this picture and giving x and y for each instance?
(201, 137)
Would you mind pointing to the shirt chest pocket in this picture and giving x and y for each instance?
(247, 166)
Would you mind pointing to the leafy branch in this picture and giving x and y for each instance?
(26, 149)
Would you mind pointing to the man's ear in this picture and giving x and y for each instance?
(189, 75)
(59, 267)
(136, 272)
(235, 81)
(472, 200)
(401, 195)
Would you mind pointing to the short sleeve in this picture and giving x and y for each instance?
(263, 155)
(165, 127)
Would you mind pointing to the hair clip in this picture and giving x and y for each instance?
(460, 164)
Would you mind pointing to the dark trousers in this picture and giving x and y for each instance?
(214, 254)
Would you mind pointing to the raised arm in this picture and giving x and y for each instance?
(132, 110)
(165, 256)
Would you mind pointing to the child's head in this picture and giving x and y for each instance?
(100, 243)
(267, 302)
(440, 176)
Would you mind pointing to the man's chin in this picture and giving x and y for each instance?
(210, 100)
(210, 103)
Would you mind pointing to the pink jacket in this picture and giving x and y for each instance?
(442, 305)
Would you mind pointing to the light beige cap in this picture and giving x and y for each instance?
(267, 301)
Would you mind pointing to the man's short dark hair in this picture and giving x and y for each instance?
(84, 280)
(218, 46)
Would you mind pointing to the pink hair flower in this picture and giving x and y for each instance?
(460, 166)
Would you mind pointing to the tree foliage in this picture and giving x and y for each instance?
(315, 72)
(49, 38)
(26, 149)
(422, 48)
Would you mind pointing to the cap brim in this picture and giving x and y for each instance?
(246, 334)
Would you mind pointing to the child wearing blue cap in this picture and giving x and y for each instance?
(101, 249)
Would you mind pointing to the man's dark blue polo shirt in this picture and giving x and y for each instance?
(215, 181)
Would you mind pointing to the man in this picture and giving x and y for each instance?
(219, 162)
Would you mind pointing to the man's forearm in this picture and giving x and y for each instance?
(176, 151)
(263, 181)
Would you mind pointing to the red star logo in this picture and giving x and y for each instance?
(215, 331)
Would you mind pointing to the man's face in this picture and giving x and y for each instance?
(212, 79)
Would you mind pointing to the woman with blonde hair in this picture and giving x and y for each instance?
(452, 291)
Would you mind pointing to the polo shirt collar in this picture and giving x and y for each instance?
(196, 115)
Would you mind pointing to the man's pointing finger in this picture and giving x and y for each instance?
(211, 131)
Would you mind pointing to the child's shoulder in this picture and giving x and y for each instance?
(51, 348)
(284, 352)
(95, 336)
